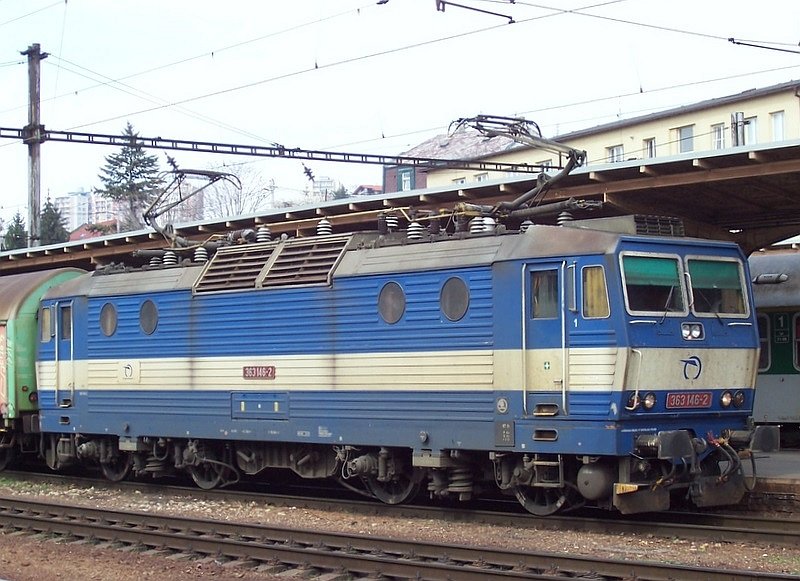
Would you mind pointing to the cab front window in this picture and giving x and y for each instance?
(717, 287)
(653, 284)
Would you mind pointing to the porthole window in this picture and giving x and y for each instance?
(108, 319)
(391, 302)
(148, 317)
(454, 299)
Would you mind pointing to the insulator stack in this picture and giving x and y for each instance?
(264, 234)
(416, 231)
(383, 228)
(200, 254)
(155, 261)
(489, 224)
(563, 218)
(525, 225)
(476, 225)
(170, 258)
(392, 222)
(324, 227)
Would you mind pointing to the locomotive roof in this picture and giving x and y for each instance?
(320, 259)
(777, 294)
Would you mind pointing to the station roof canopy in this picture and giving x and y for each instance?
(748, 194)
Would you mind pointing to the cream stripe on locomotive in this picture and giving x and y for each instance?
(589, 370)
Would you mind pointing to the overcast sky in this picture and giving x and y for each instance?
(361, 77)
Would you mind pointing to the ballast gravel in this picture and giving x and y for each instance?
(35, 558)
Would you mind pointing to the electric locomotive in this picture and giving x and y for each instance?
(596, 362)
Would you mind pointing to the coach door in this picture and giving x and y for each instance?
(544, 339)
(65, 364)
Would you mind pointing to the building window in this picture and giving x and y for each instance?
(649, 147)
(405, 180)
(615, 154)
(718, 136)
(481, 177)
(685, 138)
(750, 131)
(460, 181)
(776, 120)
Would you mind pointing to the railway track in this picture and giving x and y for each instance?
(276, 549)
(705, 526)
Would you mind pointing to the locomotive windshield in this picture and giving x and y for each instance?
(716, 287)
(654, 285)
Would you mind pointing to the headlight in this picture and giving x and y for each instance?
(692, 331)
(649, 401)
(726, 399)
(738, 399)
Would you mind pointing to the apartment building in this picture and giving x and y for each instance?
(765, 115)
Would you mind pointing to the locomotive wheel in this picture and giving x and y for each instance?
(206, 475)
(395, 491)
(118, 469)
(542, 501)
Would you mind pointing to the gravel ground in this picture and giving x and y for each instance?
(31, 558)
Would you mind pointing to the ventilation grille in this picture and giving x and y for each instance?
(305, 261)
(235, 268)
(659, 225)
(296, 262)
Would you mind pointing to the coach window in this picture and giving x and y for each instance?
(108, 319)
(454, 299)
(765, 356)
(595, 294)
(391, 302)
(796, 340)
(544, 294)
(148, 317)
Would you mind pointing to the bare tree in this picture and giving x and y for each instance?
(223, 199)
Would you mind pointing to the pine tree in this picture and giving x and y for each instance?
(131, 179)
(16, 235)
(51, 225)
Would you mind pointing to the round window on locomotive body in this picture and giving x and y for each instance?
(391, 302)
(108, 319)
(148, 317)
(454, 299)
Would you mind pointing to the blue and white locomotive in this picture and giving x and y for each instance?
(566, 365)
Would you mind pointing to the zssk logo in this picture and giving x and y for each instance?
(692, 367)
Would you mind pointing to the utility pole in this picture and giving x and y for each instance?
(33, 137)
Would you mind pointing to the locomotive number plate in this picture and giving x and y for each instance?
(684, 399)
(258, 372)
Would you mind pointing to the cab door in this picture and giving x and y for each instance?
(544, 339)
(65, 362)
